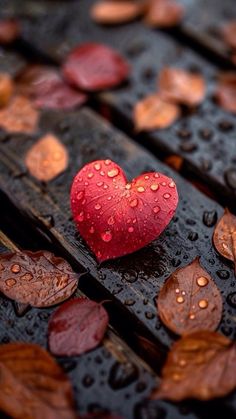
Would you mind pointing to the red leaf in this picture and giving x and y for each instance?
(201, 366)
(39, 279)
(77, 327)
(95, 67)
(190, 301)
(115, 217)
(32, 385)
(47, 88)
(9, 30)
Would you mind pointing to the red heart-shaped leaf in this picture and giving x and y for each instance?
(94, 67)
(115, 217)
(77, 327)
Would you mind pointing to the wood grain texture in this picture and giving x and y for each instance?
(204, 137)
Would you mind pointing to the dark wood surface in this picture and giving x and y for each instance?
(110, 377)
(134, 280)
(204, 137)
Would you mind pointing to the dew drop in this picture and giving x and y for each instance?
(180, 299)
(134, 220)
(90, 175)
(128, 186)
(203, 303)
(140, 189)
(202, 281)
(97, 206)
(109, 198)
(130, 229)
(177, 290)
(107, 162)
(80, 195)
(10, 282)
(112, 173)
(172, 184)
(134, 203)
(156, 175)
(99, 183)
(163, 183)
(15, 268)
(102, 173)
(182, 362)
(111, 220)
(192, 316)
(80, 217)
(166, 195)
(146, 177)
(91, 230)
(107, 236)
(105, 186)
(156, 210)
(97, 166)
(154, 187)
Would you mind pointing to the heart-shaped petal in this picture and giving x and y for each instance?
(115, 217)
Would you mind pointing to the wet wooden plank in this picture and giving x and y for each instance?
(205, 138)
(134, 280)
(131, 282)
(204, 22)
(110, 377)
(11, 62)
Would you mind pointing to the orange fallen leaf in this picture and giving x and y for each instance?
(226, 92)
(229, 34)
(224, 237)
(110, 12)
(189, 300)
(174, 161)
(181, 86)
(6, 89)
(154, 112)
(47, 158)
(200, 366)
(32, 384)
(163, 13)
(19, 116)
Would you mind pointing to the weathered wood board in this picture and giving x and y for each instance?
(204, 137)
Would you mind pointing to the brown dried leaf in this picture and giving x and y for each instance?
(154, 112)
(226, 92)
(164, 13)
(110, 12)
(6, 89)
(229, 34)
(224, 237)
(181, 86)
(39, 279)
(47, 158)
(19, 116)
(201, 366)
(32, 385)
(190, 301)
(9, 30)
